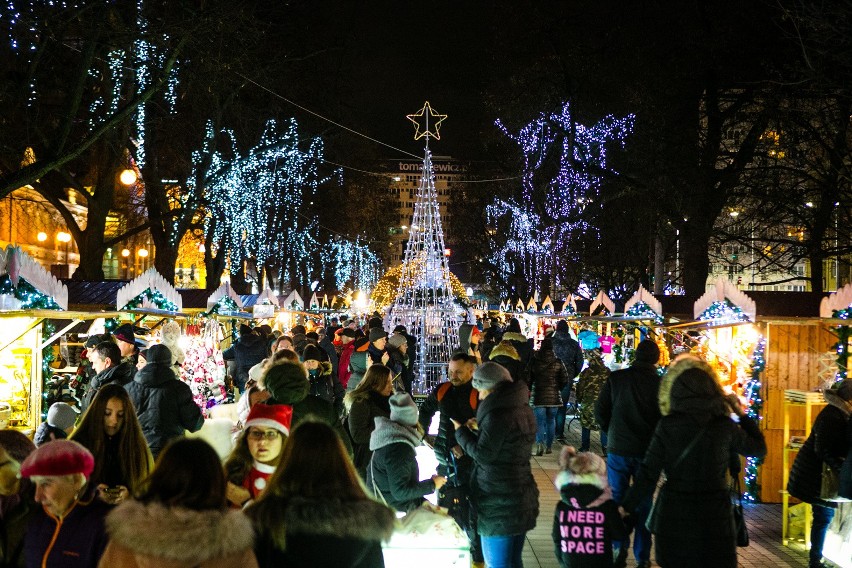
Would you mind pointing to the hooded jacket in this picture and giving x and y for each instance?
(248, 351)
(693, 509)
(362, 422)
(327, 533)
(569, 352)
(827, 443)
(591, 382)
(586, 521)
(343, 371)
(164, 405)
(151, 535)
(504, 491)
(628, 410)
(325, 386)
(120, 374)
(393, 470)
(547, 377)
(357, 364)
(506, 355)
(521, 344)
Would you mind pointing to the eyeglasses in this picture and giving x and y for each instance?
(259, 435)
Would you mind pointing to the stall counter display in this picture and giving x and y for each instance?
(20, 373)
(203, 368)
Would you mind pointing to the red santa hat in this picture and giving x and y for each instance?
(276, 416)
(58, 458)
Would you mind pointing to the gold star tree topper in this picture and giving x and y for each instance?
(427, 122)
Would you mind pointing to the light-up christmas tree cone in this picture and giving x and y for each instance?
(424, 302)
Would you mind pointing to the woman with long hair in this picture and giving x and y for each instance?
(110, 430)
(363, 404)
(180, 517)
(258, 452)
(315, 512)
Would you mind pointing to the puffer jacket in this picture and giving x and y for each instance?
(569, 352)
(175, 537)
(547, 377)
(248, 351)
(827, 443)
(325, 386)
(393, 470)
(694, 519)
(121, 374)
(589, 387)
(362, 422)
(357, 364)
(327, 533)
(163, 404)
(504, 489)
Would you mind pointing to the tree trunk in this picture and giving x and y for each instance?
(165, 259)
(816, 258)
(694, 243)
(659, 265)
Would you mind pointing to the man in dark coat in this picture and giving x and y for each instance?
(827, 444)
(325, 343)
(248, 351)
(163, 403)
(567, 350)
(628, 410)
(499, 441)
(107, 363)
(456, 400)
(377, 351)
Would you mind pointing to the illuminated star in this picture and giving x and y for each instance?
(427, 122)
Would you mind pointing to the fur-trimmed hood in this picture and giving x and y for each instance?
(505, 349)
(515, 336)
(706, 395)
(364, 520)
(583, 490)
(179, 534)
(833, 398)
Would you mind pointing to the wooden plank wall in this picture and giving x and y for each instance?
(793, 354)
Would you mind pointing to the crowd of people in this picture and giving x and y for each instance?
(324, 455)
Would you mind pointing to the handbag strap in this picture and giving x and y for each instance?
(376, 490)
(689, 447)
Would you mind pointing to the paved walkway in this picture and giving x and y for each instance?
(764, 523)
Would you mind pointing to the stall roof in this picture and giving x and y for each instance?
(89, 295)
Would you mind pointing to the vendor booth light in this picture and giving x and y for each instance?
(125, 253)
(63, 237)
(143, 253)
(127, 177)
(42, 236)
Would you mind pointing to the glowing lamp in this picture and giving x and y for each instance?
(142, 253)
(63, 237)
(125, 253)
(127, 177)
(41, 236)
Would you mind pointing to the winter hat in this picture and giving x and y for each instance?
(245, 330)
(277, 416)
(647, 352)
(298, 330)
(159, 354)
(546, 344)
(124, 333)
(489, 375)
(562, 325)
(375, 323)
(287, 382)
(312, 335)
(59, 457)
(377, 333)
(312, 353)
(581, 463)
(397, 341)
(403, 410)
(348, 333)
(843, 389)
(400, 329)
(61, 415)
(265, 329)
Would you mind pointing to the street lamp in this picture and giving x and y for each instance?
(127, 177)
(64, 237)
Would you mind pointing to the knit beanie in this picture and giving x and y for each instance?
(159, 354)
(377, 333)
(61, 415)
(403, 410)
(348, 333)
(287, 382)
(375, 323)
(57, 458)
(647, 352)
(489, 375)
(124, 333)
(397, 340)
(277, 416)
(400, 329)
(312, 353)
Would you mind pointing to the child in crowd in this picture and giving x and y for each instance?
(59, 424)
(587, 520)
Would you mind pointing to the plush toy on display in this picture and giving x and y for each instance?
(170, 336)
(203, 367)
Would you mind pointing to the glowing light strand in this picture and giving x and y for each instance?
(754, 410)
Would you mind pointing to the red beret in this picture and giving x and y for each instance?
(57, 458)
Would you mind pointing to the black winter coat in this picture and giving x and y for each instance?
(361, 422)
(547, 377)
(504, 490)
(248, 351)
(827, 444)
(121, 374)
(47, 433)
(327, 533)
(325, 385)
(627, 409)
(569, 352)
(695, 518)
(328, 347)
(455, 404)
(163, 404)
(393, 470)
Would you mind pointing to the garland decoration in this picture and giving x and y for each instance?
(46, 370)
(154, 297)
(754, 410)
(723, 310)
(642, 310)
